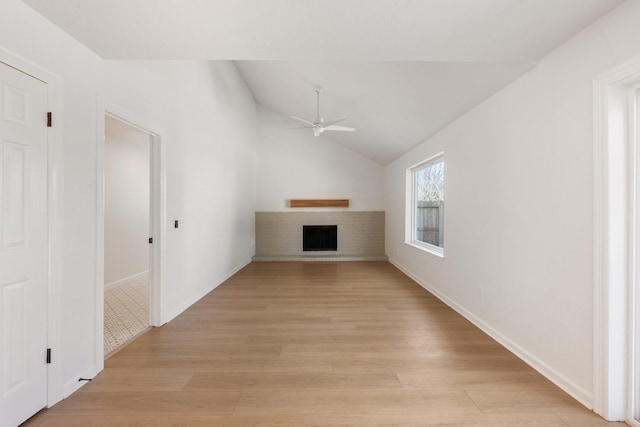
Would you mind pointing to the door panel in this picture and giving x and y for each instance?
(23, 246)
(15, 192)
(15, 334)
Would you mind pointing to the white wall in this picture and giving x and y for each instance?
(293, 164)
(26, 34)
(207, 120)
(126, 201)
(519, 192)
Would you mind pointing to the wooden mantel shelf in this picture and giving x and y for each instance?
(319, 203)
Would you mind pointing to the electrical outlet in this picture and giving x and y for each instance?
(480, 293)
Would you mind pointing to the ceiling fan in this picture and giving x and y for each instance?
(319, 125)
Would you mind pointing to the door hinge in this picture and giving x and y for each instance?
(150, 239)
(48, 355)
(49, 119)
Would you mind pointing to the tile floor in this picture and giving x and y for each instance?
(126, 312)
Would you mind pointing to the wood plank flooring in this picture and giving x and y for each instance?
(317, 344)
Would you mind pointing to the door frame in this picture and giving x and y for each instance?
(55, 177)
(633, 342)
(615, 205)
(156, 219)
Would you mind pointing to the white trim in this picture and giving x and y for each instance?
(425, 163)
(410, 204)
(197, 296)
(579, 393)
(74, 384)
(99, 278)
(600, 401)
(425, 247)
(613, 210)
(632, 163)
(633, 336)
(600, 379)
(157, 220)
(158, 215)
(126, 279)
(55, 177)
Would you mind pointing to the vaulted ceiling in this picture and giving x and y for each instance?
(399, 69)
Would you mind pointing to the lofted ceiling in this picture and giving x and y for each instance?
(393, 105)
(399, 69)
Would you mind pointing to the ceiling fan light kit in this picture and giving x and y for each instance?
(319, 125)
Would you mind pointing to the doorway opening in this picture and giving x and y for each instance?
(155, 232)
(127, 229)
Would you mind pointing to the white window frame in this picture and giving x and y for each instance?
(411, 205)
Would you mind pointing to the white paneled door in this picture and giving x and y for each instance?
(23, 246)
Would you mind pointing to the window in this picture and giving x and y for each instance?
(425, 184)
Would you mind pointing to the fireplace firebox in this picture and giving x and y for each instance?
(319, 237)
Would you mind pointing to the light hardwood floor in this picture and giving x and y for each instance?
(317, 344)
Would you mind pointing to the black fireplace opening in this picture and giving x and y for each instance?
(319, 237)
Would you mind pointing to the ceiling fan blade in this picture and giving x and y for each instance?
(309, 124)
(340, 128)
(334, 121)
(319, 125)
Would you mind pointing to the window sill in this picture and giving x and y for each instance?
(430, 249)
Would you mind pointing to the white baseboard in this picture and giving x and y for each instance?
(74, 384)
(201, 293)
(126, 279)
(579, 393)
